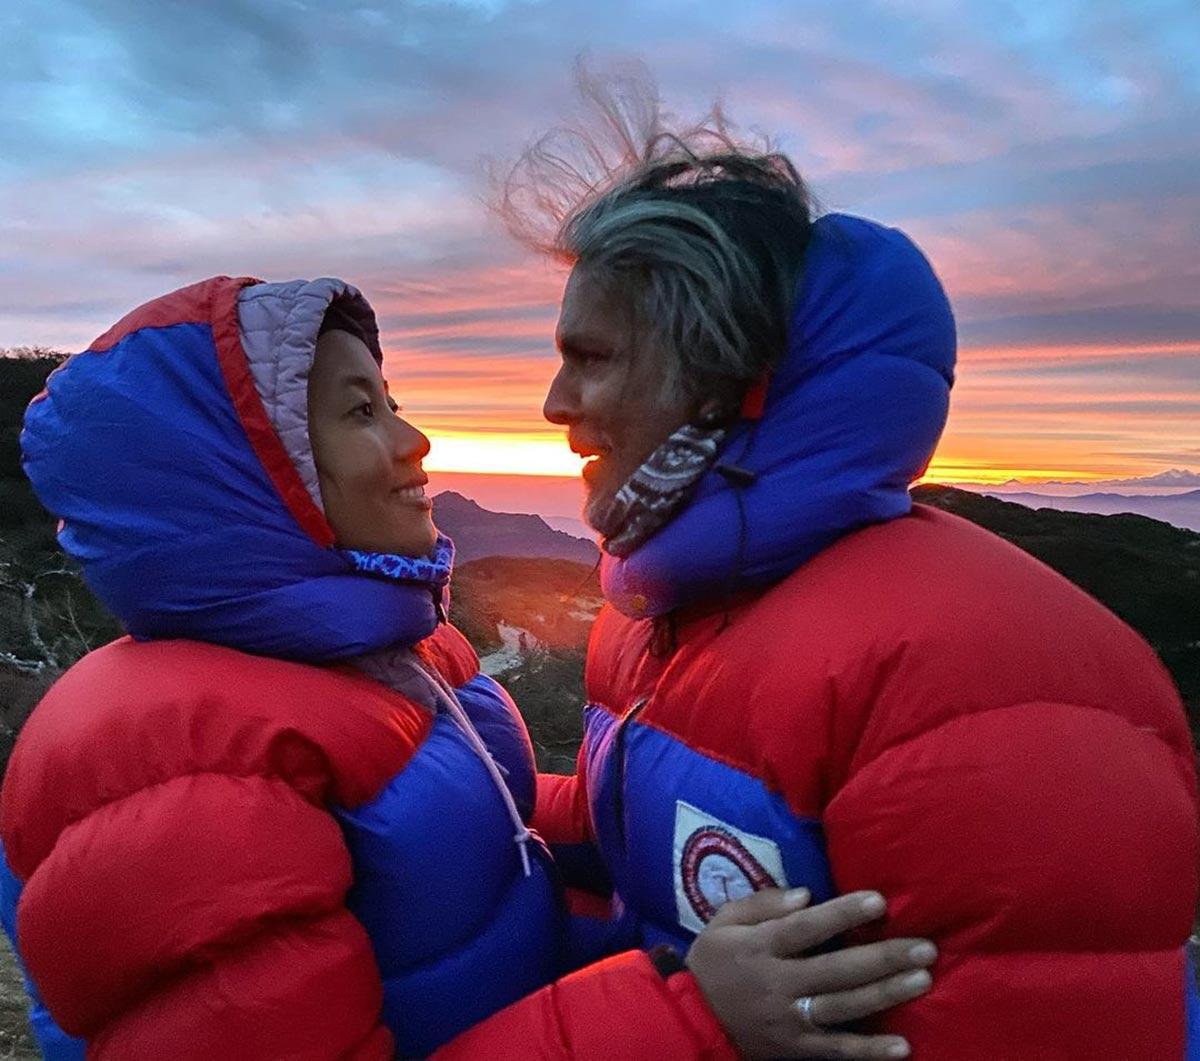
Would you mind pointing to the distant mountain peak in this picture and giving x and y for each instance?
(452, 499)
(479, 532)
(1171, 477)
(1174, 477)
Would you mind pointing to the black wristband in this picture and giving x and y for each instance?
(666, 960)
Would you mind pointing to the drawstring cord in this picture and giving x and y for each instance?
(449, 700)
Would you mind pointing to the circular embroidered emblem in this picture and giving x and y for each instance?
(716, 867)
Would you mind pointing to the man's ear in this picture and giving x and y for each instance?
(721, 403)
(713, 412)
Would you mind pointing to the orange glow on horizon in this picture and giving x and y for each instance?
(951, 472)
(470, 355)
(974, 354)
(547, 455)
(502, 454)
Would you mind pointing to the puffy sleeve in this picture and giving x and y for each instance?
(620, 1007)
(183, 880)
(562, 818)
(203, 917)
(1049, 849)
(561, 815)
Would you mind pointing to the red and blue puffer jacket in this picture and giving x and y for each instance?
(223, 839)
(808, 681)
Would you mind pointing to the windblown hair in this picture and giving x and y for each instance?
(704, 232)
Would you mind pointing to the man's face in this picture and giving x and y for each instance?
(610, 390)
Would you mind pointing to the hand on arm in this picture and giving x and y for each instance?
(752, 965)
(735, 998)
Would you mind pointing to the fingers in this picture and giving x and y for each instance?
(844, 1045)
(853, 967)
(806, 929)
(767, 905)
(840, 1007)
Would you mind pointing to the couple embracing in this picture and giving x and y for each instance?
(858, 779)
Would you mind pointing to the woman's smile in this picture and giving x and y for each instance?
(413, 495)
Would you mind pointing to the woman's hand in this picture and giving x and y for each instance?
(749, 962)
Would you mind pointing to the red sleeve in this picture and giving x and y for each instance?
(562, 818)
(203, 917)
(618, 1008)
(1050, 852)
(561, 815)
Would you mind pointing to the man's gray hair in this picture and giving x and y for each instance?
(704, 232)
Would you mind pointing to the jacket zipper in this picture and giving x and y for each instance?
(619, 753)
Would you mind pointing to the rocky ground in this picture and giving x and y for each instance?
(16, 1042)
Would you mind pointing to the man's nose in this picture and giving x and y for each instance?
(562, 400)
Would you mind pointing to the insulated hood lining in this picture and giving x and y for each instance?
(279, 325)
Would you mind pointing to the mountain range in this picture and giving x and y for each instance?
(1172, 496)
(1173, 480)
(478, 533)
(1181, 510)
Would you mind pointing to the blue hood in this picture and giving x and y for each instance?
(181, 505)
(852, 417)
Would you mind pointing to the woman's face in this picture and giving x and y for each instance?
(368, 459)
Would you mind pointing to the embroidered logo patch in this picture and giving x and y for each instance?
(716, 862)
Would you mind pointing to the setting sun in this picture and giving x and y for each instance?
(525, 454)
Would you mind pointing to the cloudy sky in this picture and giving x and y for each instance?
(1044, 153)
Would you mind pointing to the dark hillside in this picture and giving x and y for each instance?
(48, 618)
(554, 600)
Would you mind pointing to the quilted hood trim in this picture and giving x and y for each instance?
(279, 325)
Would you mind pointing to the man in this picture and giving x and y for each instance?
(801, 678)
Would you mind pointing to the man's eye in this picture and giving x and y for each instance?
(366, 410)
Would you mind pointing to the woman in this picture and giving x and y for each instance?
(287, 817)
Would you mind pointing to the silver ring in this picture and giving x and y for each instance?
(804, 1009)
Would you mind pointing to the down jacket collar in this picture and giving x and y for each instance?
(852, 417)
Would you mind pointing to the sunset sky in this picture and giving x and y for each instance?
(1044, 153)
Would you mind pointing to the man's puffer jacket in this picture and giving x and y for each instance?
(836, 689)
(224, 839)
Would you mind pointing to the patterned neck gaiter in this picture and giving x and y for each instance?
(653, 495)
